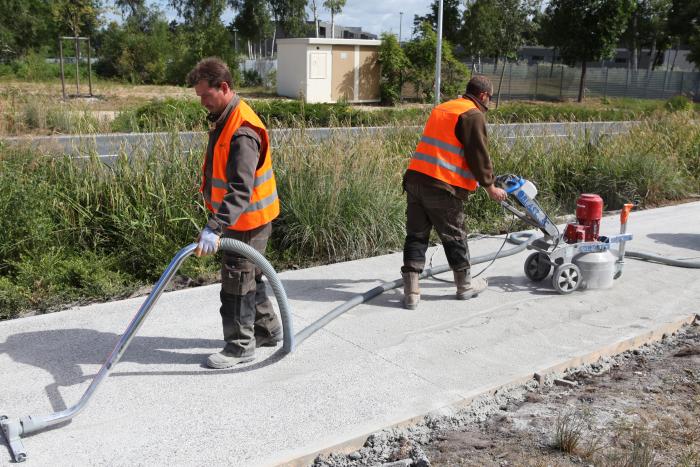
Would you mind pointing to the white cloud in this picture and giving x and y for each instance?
(377, 16)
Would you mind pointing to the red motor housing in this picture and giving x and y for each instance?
(589, 211)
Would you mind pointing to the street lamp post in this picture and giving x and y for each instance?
(400, 24)
(438, 56)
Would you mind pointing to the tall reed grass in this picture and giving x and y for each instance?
(72, 231)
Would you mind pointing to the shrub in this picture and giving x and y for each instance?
(393, 63)
(163, 115)
(679, 103)
(251, 78)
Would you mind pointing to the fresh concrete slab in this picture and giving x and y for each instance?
(375, 366)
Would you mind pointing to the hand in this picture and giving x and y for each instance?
(495, 193)
(207, 243)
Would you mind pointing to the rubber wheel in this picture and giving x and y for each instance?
(537, 267)
(566, 278)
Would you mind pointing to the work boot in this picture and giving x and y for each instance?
(268, 341)
(237, 317)
(224, 359)
(466, 286)
(411, 290)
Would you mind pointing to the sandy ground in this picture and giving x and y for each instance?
(639, 408)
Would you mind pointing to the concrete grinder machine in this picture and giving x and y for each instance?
(580, 257)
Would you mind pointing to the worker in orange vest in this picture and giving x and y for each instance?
(239, 191)
(450, 162)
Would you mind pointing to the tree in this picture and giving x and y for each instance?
(335, 7)
(420, 51)
(201, 34)
(290, 16)
(647, 27)
(587, 31)
(76, 16)
(393, 61)
(32, 26)
(253, 22)
(451, 19)
(314, 12)
(132, 7)
(496, 27)
(684, 22)
(138, 51)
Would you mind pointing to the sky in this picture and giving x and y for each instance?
(375, 16)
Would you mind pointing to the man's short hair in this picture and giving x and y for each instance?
(213, 70)
(479, 84)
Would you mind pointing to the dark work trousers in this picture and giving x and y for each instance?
(246, 311)
(428, 207)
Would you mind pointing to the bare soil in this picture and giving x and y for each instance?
(639, 408)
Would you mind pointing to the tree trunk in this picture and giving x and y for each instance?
(274, 37)
(500, 83)
(554, 57)
(332, 25)
(313, 10)
(633, 46)
(495, 64)
(583, 81)
(675, 55)
(652, 56)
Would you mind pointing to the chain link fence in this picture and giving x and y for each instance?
(547, 82)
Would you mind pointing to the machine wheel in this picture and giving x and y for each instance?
(566, 278)
(537, 267)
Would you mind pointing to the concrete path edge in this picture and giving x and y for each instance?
(632, 343)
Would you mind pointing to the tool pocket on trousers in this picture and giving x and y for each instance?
(236, 280)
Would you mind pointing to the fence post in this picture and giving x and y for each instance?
(561, 84)
(605, 86)
(89, 67)
(646, 84)
(681, 86)
(510, 79)
(77, 66)
(63, 78)
(537, 78)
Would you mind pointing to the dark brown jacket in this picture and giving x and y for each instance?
(470, 130)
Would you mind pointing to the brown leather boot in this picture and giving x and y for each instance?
(411, 290)
(466, 286)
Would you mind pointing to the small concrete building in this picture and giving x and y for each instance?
(328, 70)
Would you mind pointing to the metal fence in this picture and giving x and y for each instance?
(522, 81)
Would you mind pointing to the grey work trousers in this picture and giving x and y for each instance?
(428, 207)
(246, 311)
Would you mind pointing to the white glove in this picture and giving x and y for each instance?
(207, 243)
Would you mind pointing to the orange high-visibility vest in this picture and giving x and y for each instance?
(264, 204)
(439, 153)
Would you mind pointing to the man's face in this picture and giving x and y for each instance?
(213, 99)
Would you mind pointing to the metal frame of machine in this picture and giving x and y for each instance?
(554, 251)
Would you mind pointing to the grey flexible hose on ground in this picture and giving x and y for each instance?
(252, 254)
(521, 239)
(681, 263)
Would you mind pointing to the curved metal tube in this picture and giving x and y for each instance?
(15, 428)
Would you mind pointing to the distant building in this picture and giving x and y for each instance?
(677, 59)
(324, 32)
(329, 70)
(341, 32)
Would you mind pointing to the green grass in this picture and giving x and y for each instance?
(76, 232)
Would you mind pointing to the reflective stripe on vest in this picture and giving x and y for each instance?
(439, 153)
(264, 204)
